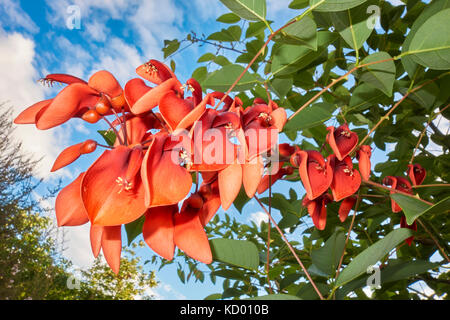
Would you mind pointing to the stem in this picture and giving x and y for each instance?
(434, 239)
(358, 201)
(291, 249)
(104, 146)
(268, 234)
(336, 81)
(113, 129)
(386, 116)
(444, 185)
(396, 191)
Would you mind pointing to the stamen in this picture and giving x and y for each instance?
(348, 171)
(150, 68)
(345, 133)
(186, 160)
(124, 184)
(266, 117)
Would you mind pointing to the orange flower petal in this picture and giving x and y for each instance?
(252, 173)
(230, 182)
(69, 207)
(155, 72)
(345, 207)
(28, 116)
(134, 90)
(112, 246)
(103, 81)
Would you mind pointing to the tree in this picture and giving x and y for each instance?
(31, 262)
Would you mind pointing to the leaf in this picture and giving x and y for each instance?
(200, 74)
(109, 136)
(255, 28)
(399, 270)
(230, 34)
(379, 75)
(228, 18)
(430, 48)
(430, 10)
(170, 46)
(214, 296)
(222, 79)
(372, 255)
(425, 96)
(134, 229)
(252, 10)
(335, 5)
(229, 274)
(307, 292)
(275, 297)
(302, 32)
(239, 253)
(311, 116)
(353, 25)
(327, 257)
(364, 96)
(414, 208)
(287, 58)
(206, 57)
(281, 86)
(298, 4)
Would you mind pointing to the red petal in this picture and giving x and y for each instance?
(159, 229)
(159, 169)
(416, 174)
(173, 109)
(67, 156)
(197, 93)
(252, 173)
(316, 174)
(346, 180)
(342, 140)
(364, 154)
(345, 207)
(112, 246)
(134, 90)
(69, 207)
(64, 78)
(103, 81)
(28, 116)
(211, 201)
(109, 198)
(155, 71)
(230, 182)
(64, 106)
(279, 118)
(151, 99)
(190, 236)
(96, 233)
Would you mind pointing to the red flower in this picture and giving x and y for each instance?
(69, 207)
(416, 173)
(363, 156)
(109, 240)
(404, 224)
(316, 174)
(72, 153)
(397, 183)
(342, 140)
(346, 180)
(317, 209)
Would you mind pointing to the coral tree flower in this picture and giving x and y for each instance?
(316, 173)
(317, 209)
(397, 183)
(404, 224)
(345, 207)
(346, 179)
(416, 174)
(341, 140)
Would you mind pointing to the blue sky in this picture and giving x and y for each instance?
(116, 35)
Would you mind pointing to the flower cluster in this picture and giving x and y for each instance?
(336, 172)
(149, 169)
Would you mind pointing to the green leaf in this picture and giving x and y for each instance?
(109, 136)
(230, 34)
(414, 208)
(326, 258)
(222, 79)
(275, 297)
(252, 10)
(281, 86)
(364, 96)
(302, 32)
(380, 75)
(353, 25)
(399, 270)
(311, 116)
(430, 9)
(372, 255)
(425, 96)
(287, 58)
(335, 5)
(170, 46)
(255, 28)
(239, 253)
(134, 229)
(214, 296)
(206, 57)
(228, 18)
(298, 4)
(200, 74)
(430, 48)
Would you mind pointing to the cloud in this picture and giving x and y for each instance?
(14, 17)
(258, 217)
(20, 90)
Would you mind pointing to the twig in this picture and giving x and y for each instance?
(434, 239)
(291, 249)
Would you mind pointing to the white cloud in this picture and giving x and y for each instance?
(13, 16)
(258, 217)
(20, 90)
